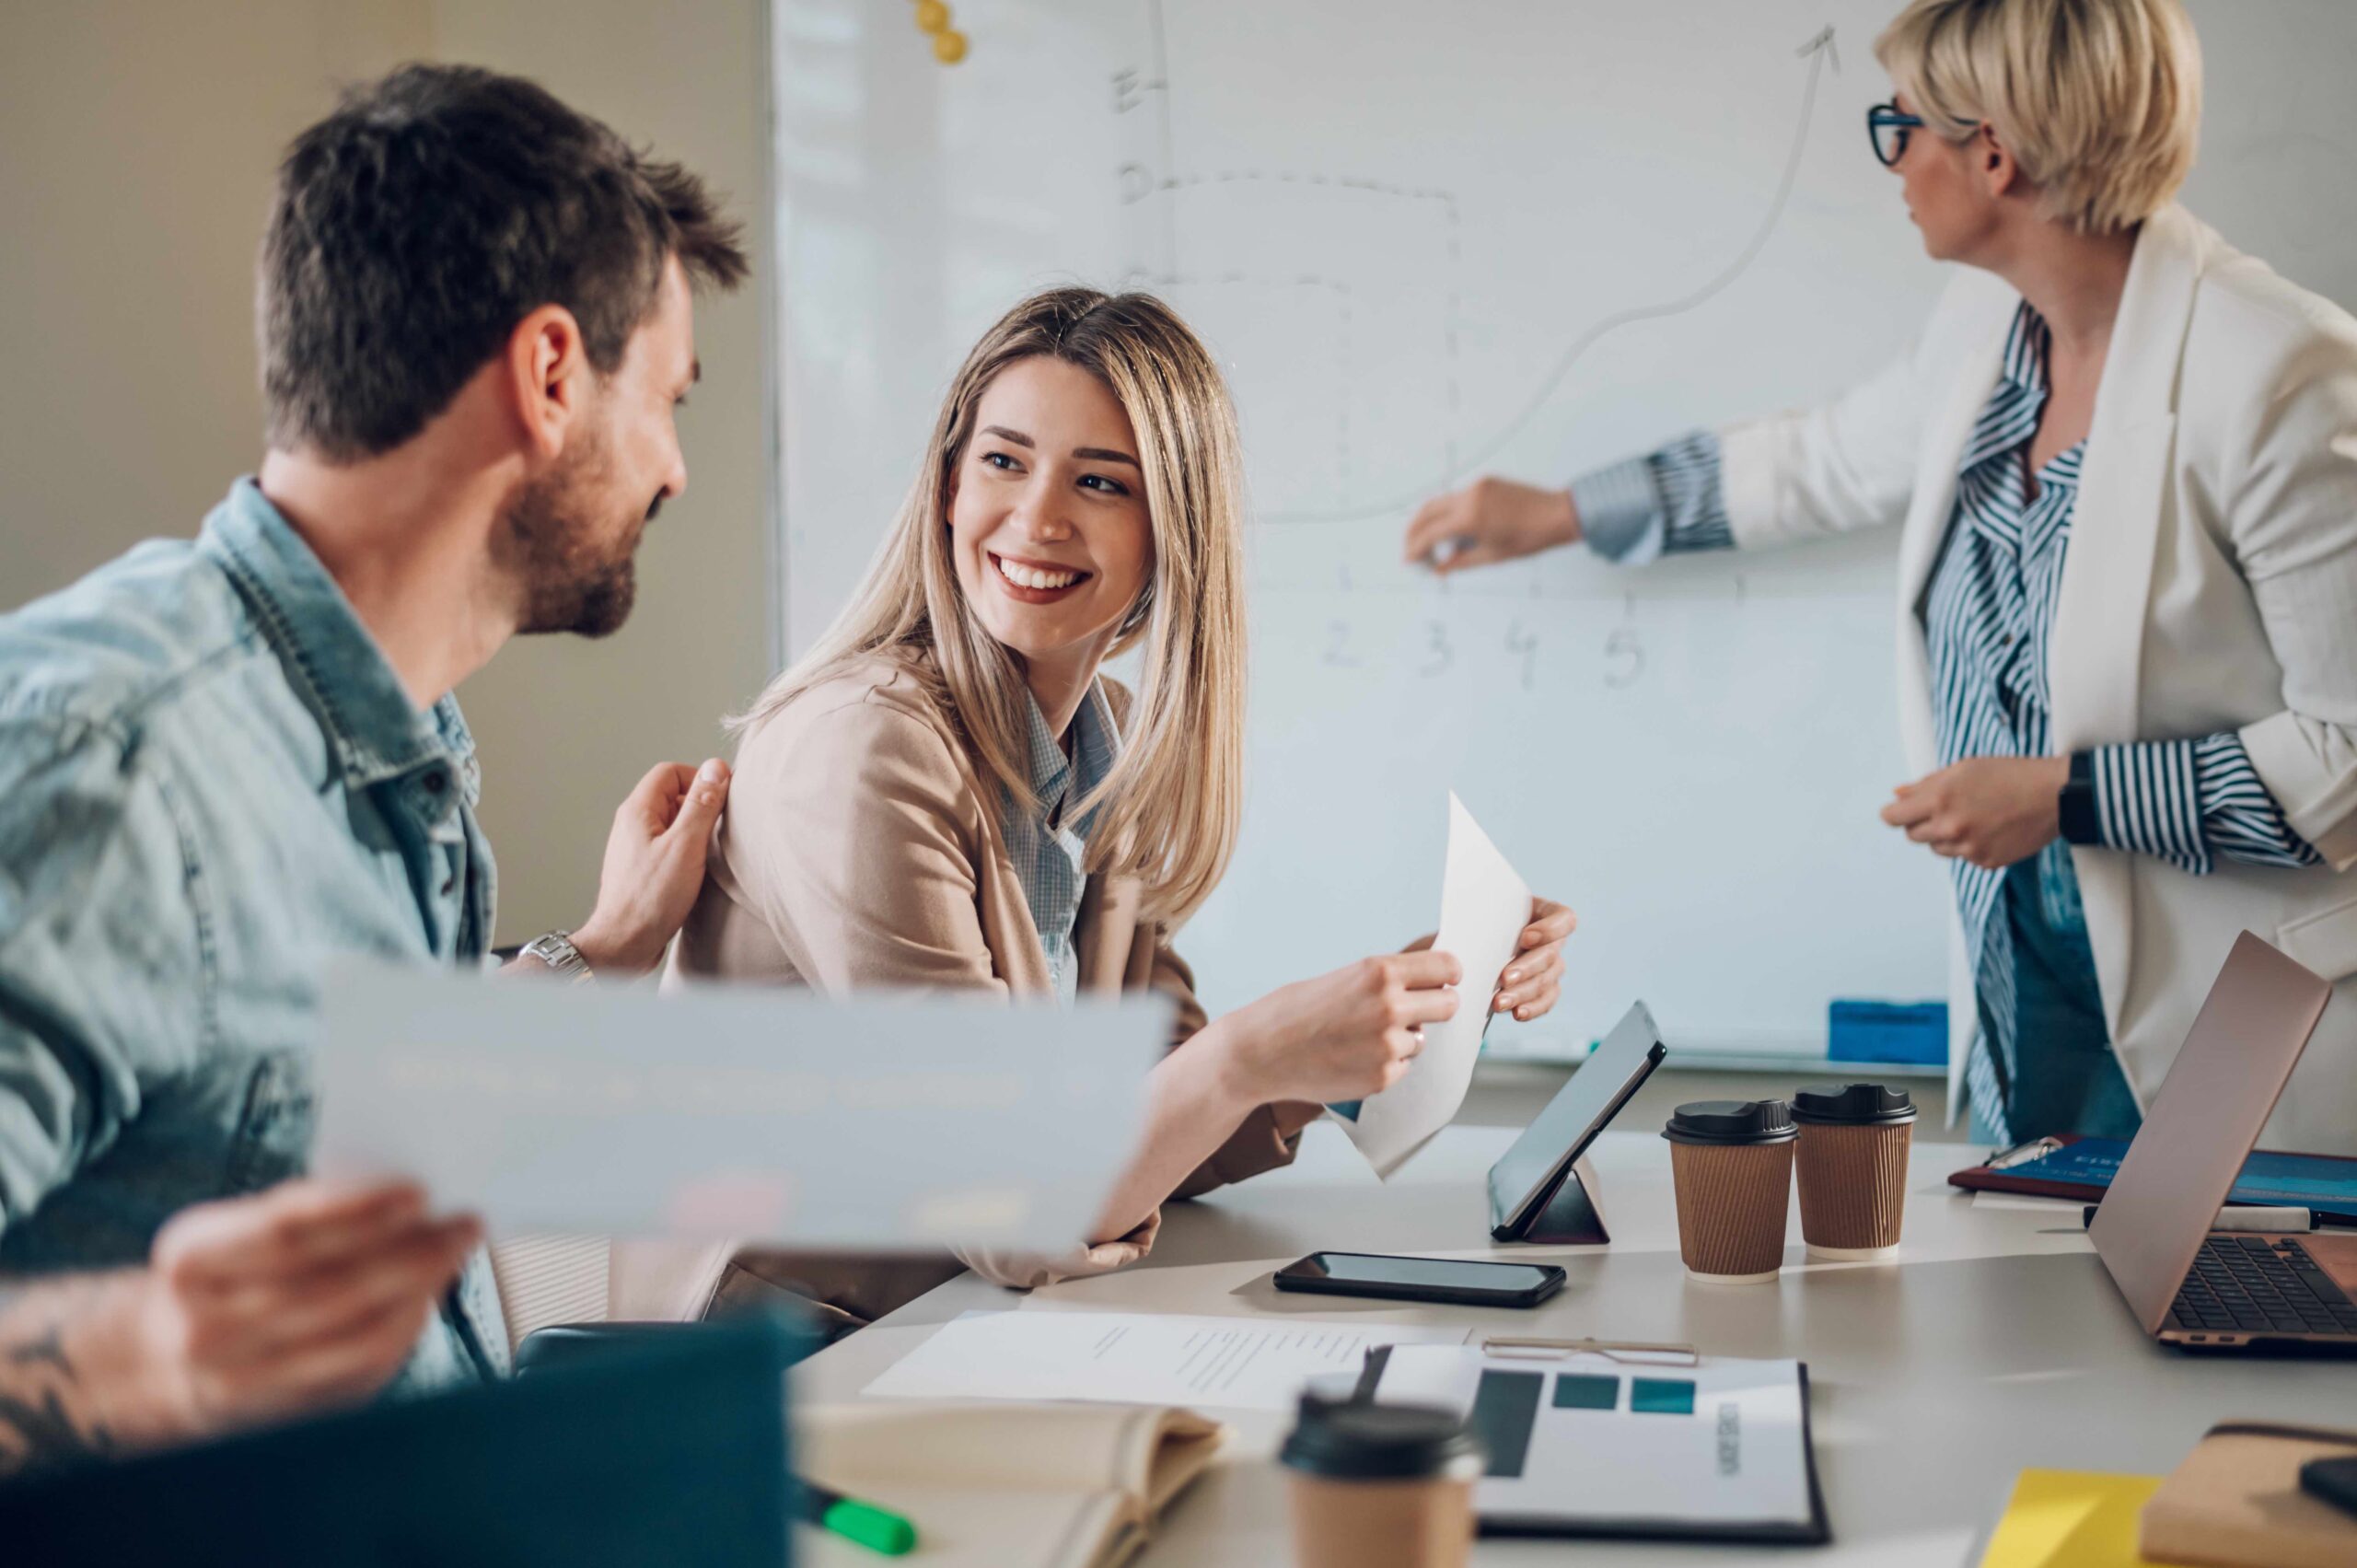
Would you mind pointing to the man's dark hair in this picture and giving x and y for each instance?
(435, 209)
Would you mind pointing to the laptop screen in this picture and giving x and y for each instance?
(2218, 1093)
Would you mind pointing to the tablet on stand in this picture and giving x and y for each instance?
(1543, 1190)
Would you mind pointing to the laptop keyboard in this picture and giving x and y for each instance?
(2252, 1284)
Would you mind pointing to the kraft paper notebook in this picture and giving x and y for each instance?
(1004, 1485)
(2236, 1500)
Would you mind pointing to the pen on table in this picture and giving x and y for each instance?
(2021, 1154)
(878, 1529)
(2244, 1216)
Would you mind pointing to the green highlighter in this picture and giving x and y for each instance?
(878, 1529)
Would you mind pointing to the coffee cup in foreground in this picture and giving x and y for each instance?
(1851, 1165)
(1381, 1486)
(1733, 1165)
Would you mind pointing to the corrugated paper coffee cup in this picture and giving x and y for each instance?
(1733, 1165)
(1853, 1186)
(1852, 1168)
(1732, 1200)
(1381, 1486)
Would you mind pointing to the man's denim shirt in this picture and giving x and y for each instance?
(210, 779)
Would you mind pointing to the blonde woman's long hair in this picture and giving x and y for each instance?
(1169, 812)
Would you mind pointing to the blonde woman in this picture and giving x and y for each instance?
(946, 792)
(2124, 459)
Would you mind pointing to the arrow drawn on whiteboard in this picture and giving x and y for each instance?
(1816, 51)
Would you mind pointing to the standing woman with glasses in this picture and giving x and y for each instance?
(2123, 457)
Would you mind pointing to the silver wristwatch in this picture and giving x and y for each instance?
(557, 951)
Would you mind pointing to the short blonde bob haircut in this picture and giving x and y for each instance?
(1169, 812)
(2100, 100)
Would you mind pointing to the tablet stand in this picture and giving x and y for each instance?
(1568, 1216)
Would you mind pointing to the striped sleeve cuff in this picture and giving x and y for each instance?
(1686, 472)
(1663, 503)
(1620, 513)
(2240, 813)
(2187, 801)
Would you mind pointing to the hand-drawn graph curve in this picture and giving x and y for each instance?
(1416, 293)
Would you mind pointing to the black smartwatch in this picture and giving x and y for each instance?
(2076, 804)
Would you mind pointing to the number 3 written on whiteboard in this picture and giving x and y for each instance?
(1439, 654)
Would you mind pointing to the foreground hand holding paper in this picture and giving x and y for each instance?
(735, 1112)
(1483, 907)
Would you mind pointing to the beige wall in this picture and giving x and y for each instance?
(136, 146)
(567, 727)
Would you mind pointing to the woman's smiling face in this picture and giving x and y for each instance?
(1048, 518)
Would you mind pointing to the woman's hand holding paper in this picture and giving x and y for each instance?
(1533, 979)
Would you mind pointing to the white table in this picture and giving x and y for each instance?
(1995, 1343)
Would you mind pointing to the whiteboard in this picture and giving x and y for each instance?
(1514, 235)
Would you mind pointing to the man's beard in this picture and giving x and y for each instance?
(549, 538)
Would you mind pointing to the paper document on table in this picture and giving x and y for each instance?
(1483, 907)
(1631, 1442)
(734, 1111)
(1138, 1358)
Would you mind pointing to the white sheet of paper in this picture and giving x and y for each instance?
(753, 1112)
(1483, 907)
(1139, 1357)
(1739, 1455)
(2028, 1203)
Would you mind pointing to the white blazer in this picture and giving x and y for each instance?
(2211, 585)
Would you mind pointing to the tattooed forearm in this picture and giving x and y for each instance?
(48, 1348)
(48, 1409)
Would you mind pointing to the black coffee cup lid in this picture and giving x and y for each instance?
(1853, 1103)
(1731, 1122)
(1370, 1442)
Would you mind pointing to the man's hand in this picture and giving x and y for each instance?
(1487, 521)
(655, 861)
(303, 1297)
(308, 1296)
(1991, 811)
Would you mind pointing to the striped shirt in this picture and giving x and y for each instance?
(1988, 621)
(1048, 851)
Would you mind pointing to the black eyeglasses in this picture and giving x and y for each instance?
(1886, 128)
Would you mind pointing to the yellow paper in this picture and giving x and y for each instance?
(2071, 1519)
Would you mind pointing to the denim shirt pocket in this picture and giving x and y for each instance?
(272, 1140)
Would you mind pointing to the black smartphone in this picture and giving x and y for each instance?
(1422, 1279)
(2335, 1480)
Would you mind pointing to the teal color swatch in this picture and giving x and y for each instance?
(1661, 1396)
(1585, 1391)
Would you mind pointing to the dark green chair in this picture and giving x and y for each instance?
(671, 1450)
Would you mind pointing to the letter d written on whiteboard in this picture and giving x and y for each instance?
(1483, 907)
(760, 1114)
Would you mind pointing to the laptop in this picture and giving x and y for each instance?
(2236, 1290)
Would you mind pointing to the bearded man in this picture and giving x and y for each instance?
(222, 758)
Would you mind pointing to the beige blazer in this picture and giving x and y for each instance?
(862, 848)
(2211, 584)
